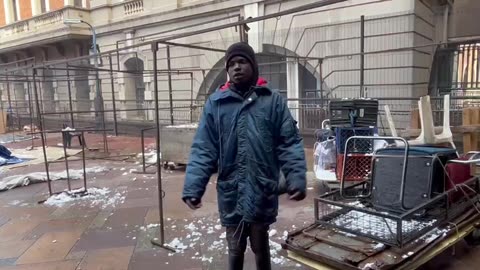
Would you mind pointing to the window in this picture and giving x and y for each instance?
(43, 6)
(15, 10)
(78, 3)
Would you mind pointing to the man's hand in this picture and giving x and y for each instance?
(297, 195)
(193, 203)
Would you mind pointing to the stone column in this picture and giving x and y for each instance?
(251, 10)
(148, 80)
(36, 7)
(9, 16)
(293, 91)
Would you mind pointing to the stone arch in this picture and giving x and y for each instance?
(82, 90)
(272, 66)
(214, 78)
(293, 78)
(19, 93)
(133, 84)
(48, 91)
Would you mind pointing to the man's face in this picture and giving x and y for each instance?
(240, 70)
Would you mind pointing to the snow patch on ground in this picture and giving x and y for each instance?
(204, 240)
(14, 181)
(101, 197)
(192, 125)
(177, 245)
(150, 157)
(15, 202)
(379, 246)
(370, 266)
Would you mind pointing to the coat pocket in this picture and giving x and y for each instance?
(227, 194)
(267, 186)
(267, 198)
(264, 131)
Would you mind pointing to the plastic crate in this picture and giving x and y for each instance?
(355, 146)
(353, 112)
(357, 167)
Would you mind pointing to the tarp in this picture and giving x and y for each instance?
(14, 181)
(35, 156)
(7, 158)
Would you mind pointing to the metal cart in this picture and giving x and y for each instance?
(350, 233)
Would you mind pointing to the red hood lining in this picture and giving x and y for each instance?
(260, 82)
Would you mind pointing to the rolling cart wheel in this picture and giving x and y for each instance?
(473, 239)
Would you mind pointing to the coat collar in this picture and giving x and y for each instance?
(225, 91)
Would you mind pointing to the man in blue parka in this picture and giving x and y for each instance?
(248, 135)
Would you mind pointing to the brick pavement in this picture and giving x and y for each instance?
(84, 236)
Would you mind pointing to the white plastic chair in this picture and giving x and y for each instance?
(391, 124)
(446, 136)
(427, 134)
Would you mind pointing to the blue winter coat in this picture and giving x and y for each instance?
(249, 141)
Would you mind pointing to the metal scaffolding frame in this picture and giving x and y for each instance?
(69, 65)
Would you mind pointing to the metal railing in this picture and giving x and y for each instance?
(40, 22)
(310, 112)
(133, 7)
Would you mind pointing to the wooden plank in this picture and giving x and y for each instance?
(467, 137)
(455, 130)
(474, 120)
(3, 122)
(415, 119)
(306, 261)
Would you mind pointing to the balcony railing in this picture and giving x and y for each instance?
(133, 7)
(48, 19)
(39, 24)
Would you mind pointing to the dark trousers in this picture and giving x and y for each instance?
(237, 244)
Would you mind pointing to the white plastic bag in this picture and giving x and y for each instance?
(325, 160)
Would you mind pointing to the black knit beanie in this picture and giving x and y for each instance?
(244, 50)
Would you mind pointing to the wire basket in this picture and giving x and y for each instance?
(378, 227)
(359, 217)
(355, 146)
(357, 167)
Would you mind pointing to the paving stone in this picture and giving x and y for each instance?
(152, 216)
(142, 192)
(59, 225)
(7, 262)
(100, 219)
(108, 243)
(145, 237)
(95, 239)
(62, 265)
(159, 259)
(130, 216)
(13, 249)
(35, 212)
(140, 202)
(16, 229)
(77, 255)
(53, 246)
(3, 220)
(107, 259)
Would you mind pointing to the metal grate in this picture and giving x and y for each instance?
(357, 167)
(354, 146)
(379, 227)
(361, 219)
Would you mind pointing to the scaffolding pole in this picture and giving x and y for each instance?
(161, 241)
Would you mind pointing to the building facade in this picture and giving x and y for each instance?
(305, 55)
